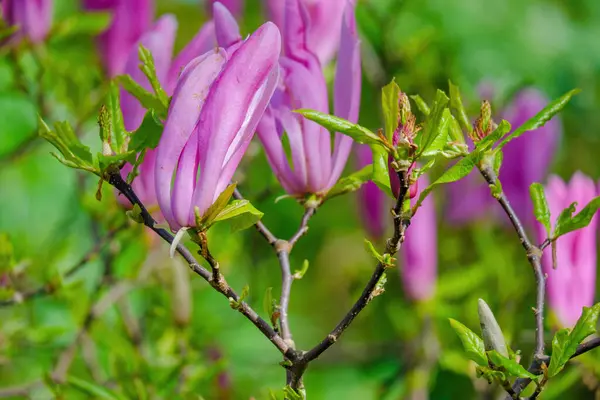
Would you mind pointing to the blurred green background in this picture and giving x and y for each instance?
(53, 220)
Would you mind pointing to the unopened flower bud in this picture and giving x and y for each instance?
(484, 125)
(493, 339)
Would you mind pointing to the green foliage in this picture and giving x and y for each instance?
(391, 110)
(148, 100)
(541, 209)
(509, 366)
(381, 173)
(72, 153)
(351, 183)
(542, 117)
(81, 24)
(332, 123)
(148, 68)
(421, 104)
(472, 344)
(299, 274)
(565, 342)
(240, 214)
(457, 106)
(567, 222)
(436, 123)
(92, 389)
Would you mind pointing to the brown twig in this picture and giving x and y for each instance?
(221, 285)
(534, 255)
(368, 293)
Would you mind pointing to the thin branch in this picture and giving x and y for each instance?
(220, 285)
(260, 226)
(534, 255)
(545, 244)
(308, 213)
(369, 292)
(286, 287)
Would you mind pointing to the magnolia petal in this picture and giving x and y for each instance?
(231, 104)
(187, 102)
(203, 42)
(269, 137)
(227, 30)
(159, 41)
(347, 90)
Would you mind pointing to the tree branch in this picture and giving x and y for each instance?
(534, 255)
(220, 285)
(308, 213)
(369, 292)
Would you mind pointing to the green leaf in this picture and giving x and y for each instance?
(472, 344)
(371, 250)
(149, 70)
(442, 139)
(567, 222)
(241, 214)
(511, 367)
(72, 152)
(564, 343)
(147, 100)
(351, 183)
(540, 205)
(488, 141)
(117, 127)
(148, 134)
(421, 104)
(82, 24)
(546, 114)
(391, 109)
(455, 132)
(381, 174)
(217, 206)
(299, 274)
(457, 106)
(497, 161)
(292, 394)
(436, 123)
(268, 301)
(334, 124)
(91, 389)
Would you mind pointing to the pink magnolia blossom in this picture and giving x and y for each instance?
(32, 17)
(571, 286)
(419, 251)
(314, 167)
(216, 106)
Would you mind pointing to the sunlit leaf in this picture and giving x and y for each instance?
(472, 344)
(546, 114)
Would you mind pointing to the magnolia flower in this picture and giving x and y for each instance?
(159, 40)
(234, 6)
(216, 105)
(33, 18)
(130, 19)
(371, 200)
(322, 28)
(572, 284)
(528, 158)
(419, 251)
(314, 168)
